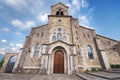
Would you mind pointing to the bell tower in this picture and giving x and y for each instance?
(59, 9)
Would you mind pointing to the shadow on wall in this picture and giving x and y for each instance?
(10, 64)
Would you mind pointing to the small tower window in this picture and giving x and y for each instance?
(59, 13)
(62, 13)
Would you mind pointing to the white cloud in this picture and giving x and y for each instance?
(76, 4)
(16, 4)
(4, 41)
(17, 23)
(15, 47)
(85, 21)
(23, 25)
(29, 6)
(19, 45)
(5, 29)
(84, 3)
(18, 33)
(12, 47)
(43, 17)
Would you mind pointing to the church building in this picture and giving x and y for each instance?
(63, 46)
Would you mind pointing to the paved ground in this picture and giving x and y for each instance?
(99, 76)
(4, 76)
(106, 74)
(78, 76)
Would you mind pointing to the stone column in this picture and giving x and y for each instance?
(44, 69)
(73, 61)
(44, 64)
(105, 60)
(102, 54)
(69, 65)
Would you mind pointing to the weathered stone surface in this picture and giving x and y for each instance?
(73, 43)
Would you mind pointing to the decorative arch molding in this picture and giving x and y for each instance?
(65, 51)
(58, 27)
(61, 45)
(59, 33)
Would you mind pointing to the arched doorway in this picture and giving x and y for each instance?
(59, 62)
(10, 64)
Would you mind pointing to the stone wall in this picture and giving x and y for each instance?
(107, 44)
(79, 36)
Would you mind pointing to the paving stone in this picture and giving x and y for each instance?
(106, 74)
(90, 77)
(37, 77)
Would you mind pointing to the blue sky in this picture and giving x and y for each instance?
(18, 16)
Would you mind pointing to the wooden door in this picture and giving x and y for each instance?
(58, 62)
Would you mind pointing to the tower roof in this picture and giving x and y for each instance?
(59, 3)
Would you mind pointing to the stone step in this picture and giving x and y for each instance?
(116, 69)
(112, 71)
(85, 76)
(56, 77)
(105, 75)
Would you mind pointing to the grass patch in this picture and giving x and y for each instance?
(115, 65)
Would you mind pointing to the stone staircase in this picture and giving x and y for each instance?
(114, 71)
(98, 76)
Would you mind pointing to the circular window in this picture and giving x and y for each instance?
(59, 29)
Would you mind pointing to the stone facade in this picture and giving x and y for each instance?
(83, 49)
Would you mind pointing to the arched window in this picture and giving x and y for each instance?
(36, 50)
(59, 13)
(90, 53)
(59, 29)
(65, 38)
(53, 38)
(59, 36)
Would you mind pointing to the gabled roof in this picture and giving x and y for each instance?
(106, 37)
(60, 4)
(39, 26)
(87, 28)
(59, 41)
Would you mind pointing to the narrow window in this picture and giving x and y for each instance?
(77, 38)
(53, 38)
(36, 50)
(59, 36)
(83, 35)
(65, 38)
(42, 34)
(61, 13)
(88, 36)
(57, 13)
(90, 53)
(37, 34)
